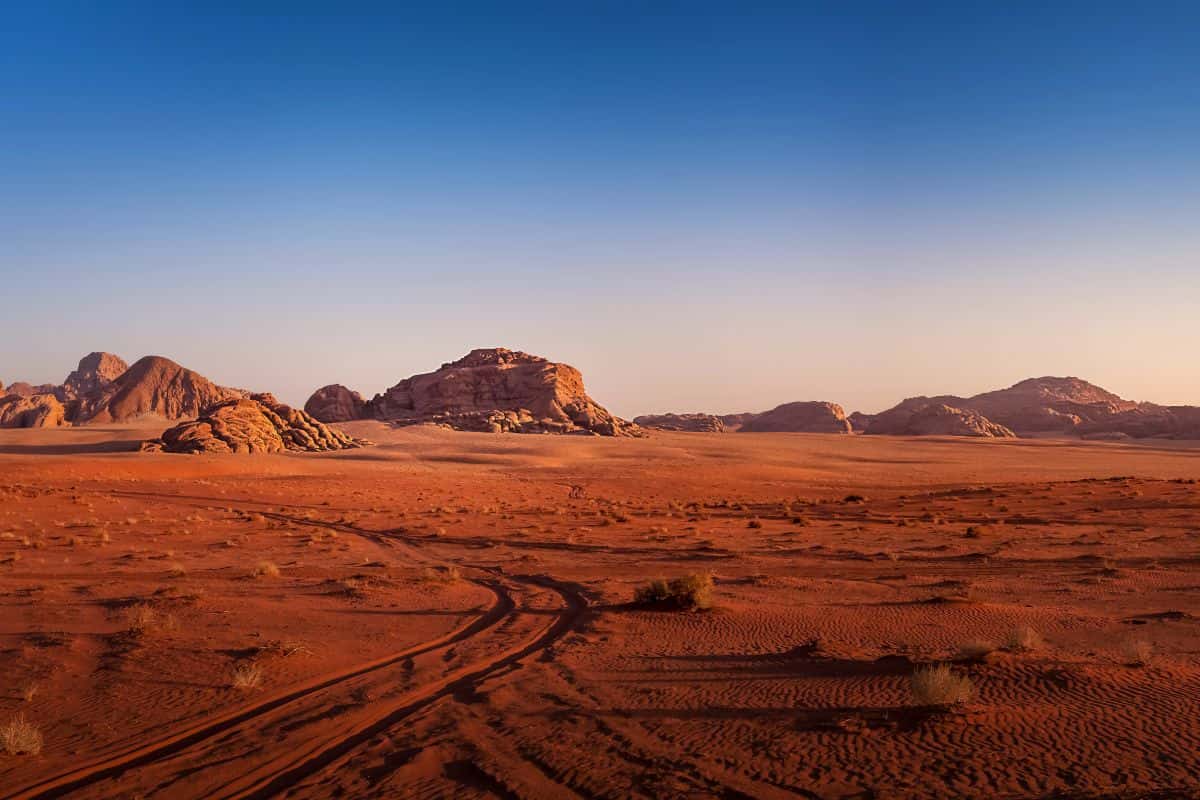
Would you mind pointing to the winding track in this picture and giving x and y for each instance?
(273, 776)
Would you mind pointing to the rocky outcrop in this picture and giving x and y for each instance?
(936, 419)
(801, 417)
(496, 390)
(34, 411)
(690, 423)
(1147, 421)
(336, 403)
(153, 385)
(95, 371)
(734, 422)
(23, 389)
(256, 424)
(859, 422)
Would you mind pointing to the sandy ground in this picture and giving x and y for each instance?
(439, 617)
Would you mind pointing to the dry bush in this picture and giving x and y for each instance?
(246, 676)
(1023, 639)
(29, 691)
(1137, 653)
(19, 737)
(940, 686)
(754, 523)
(689, 592)
(449, 574)
(176, 570)
(977, 650)
(266, 569)
(143, 619)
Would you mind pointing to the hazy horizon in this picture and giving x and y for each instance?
(702, 208)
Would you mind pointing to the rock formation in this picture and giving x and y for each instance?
(801, 417)
(936, 419)
(1147, 421)
(95, 371)
(492, 390)
(257, 424)
(336, 403)
(691, 423)
(23, 389)
(153, 385)
(33, 411)
(859, 421)
(733, 422)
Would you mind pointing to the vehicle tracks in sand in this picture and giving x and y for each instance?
(201, 745)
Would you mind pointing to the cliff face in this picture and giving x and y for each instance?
(801, 417)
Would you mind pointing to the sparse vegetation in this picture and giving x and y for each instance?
(266, 569)
(1023, 639)
(1137, 653)
(690, 592)
(29, 691)
(939, 686)
(143, 619)
(19, 737)
(450, 574)
(247, 676)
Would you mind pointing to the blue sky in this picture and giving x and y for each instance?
(702, 206)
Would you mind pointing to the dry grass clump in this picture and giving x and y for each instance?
(449, 574)
(940, 686)
(29, 691)
(691, 592)
(19, 737)
(977, 650)
(246, 676)
(1023, 639)
(1137, 653)
(143, 619)
(176, 570)
(266, 569)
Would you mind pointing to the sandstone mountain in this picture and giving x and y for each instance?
(859, 421)
(801, 417)
(95, 371)
(490, 390)
(936, 419)
(692, 423)
(336, 403)
(23, 389)
(733, 422)
(33, 411)
(256, 424)
(153, 385)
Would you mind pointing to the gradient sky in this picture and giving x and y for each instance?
(702, 206)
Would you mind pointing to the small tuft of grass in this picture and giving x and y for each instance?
(754, 523)
(940, 687)
(1137, 653)
(977, 650)
(246, 676)
(19, 737)
(690, 592)
(29, 691)
(1024, 639)
(143, 619)
(266, 569)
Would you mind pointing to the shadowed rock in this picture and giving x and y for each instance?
(336, 403)
(936, 419)
(692, 423)
(153, 385)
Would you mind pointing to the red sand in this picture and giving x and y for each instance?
(448, 621)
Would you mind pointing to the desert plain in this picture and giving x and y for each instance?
(449, 614)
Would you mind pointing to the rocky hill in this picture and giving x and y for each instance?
(336, 403)
(691, 423)
(491, 390)
(255, 424)
(153, 385)
(33, 411)
(800, 417)
(937, 419)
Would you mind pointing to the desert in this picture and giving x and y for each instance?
(413, 610)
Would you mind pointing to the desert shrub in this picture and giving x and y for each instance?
(1023, 638)
(687, 592)
(19, 737)
(940, 686)
(246, 676)
(1137, 653)
(854, 498)
(976, 649)
(266, 569)
(449, 574)
(754, 523)
(143, 619)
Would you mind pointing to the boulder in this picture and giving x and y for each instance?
(801, 417)
(336, 403)
(34, 411)
(23, 389)
(691, 423)
(859, 422)
(255, 424)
